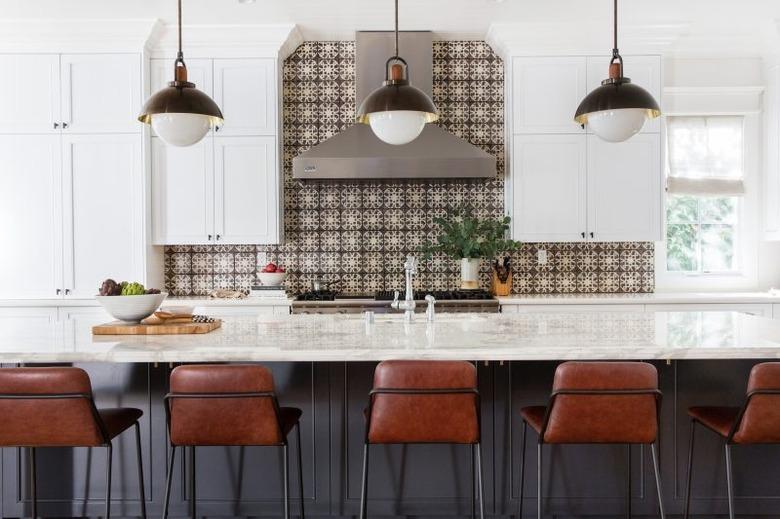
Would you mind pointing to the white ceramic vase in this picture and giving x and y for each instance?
(469, 273)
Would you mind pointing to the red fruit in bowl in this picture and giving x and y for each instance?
(271, 267)
(280, 270)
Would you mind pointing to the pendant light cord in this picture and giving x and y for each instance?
(180, 54)
(615, 27)
(396, 27)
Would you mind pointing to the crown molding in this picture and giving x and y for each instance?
(266, 40)
(570, 38)
(42, 35)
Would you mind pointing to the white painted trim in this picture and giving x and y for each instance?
(229, 41)
(75, 36)
(712, 100)
(578, 39)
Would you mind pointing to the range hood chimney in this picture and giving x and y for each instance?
(357, 154)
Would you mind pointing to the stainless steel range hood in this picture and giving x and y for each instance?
(357, 154)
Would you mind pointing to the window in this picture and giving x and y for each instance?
(705, 187)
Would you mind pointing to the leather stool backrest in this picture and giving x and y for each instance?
(47, 407)
(424, 402)
(603, 402)
(223, 405)
(760, 421)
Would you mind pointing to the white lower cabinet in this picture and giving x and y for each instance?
(32, 315)
(241, 311)
(88, 315)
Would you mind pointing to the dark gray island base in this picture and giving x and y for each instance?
(417, 480)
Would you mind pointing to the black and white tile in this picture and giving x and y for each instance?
(358, 233)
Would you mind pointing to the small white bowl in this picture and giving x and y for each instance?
(131, 309)
(271, 279)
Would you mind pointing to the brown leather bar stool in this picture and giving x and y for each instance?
(228, 405)
(53, 407)
(757, 421)
(601, 403)
(424, 402)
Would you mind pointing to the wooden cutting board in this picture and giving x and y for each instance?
(120, 328)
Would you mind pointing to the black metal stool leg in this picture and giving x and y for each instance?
(729, 481)
(169, 478)
(33, 482)
(300, 469)
(193, 485)
(286, 451)
(479, 480)
(658, 481)
(109, 459)
(522, 472)
(689, 475)
(473, 481)
(364, 489)
(141, 489)
(628, 481)
(539, 481)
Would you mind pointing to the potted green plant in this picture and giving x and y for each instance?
(469, 239)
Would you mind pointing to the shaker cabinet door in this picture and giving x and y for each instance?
(101, 93)
(624, 189)
(546, 93)
(246, 92)
(104, 223)
(548, 188)
(183, 193)
(30, 217)
(247, 190)
(30, 93)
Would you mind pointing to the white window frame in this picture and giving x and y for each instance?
(687, 102)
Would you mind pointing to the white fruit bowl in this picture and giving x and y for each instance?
(271, 279)
(131, 309)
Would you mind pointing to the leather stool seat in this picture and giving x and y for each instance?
(119, 420)
(534, 416)
(718, 419)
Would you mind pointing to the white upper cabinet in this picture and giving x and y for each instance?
(183, 193)
(549, 187)
(246, 188)
(624, 189)
(644, 71)
(226, 189)
(245, 90)
(546, 92)
(104, 228)
(30, 216)
(30, 93)
(101, 93)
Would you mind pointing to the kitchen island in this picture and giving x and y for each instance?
(324, 365)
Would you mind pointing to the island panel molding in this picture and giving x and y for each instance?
(359, 233)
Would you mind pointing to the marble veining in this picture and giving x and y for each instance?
(345, 338)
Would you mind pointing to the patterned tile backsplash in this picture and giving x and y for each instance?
(359, 233)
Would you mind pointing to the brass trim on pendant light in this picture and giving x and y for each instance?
(617, 92)
(396, 93)
(181, 96)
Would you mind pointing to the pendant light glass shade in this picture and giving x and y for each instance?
(618, 109)
(397, 112)
(180, 114)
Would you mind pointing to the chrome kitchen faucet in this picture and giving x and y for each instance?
(408, 304)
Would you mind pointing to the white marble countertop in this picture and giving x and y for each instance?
(642, 299)
(191, 301)
(307, 338)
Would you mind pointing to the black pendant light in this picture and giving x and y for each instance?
(617, 109)
(397, 111)
(180, 114)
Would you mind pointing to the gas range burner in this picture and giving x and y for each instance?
(318, 295)
(440, 295)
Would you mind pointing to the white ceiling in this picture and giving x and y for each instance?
(450, 19)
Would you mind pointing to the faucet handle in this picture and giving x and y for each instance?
(430, 312)
(396, 295)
